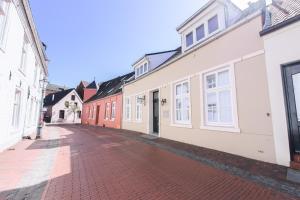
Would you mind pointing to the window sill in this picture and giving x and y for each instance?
(138, 121)
(182, 125)
(221, 129)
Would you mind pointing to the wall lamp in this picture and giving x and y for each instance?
(163, 101)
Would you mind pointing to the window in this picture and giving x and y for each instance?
(76, 105)
(189, 39)
(67, 104)
(73, 97)
(16, 109)
(61, 114)
(145, 67)
(35, 74)
(78, 114)
(200, 33)
(213, 24)
(24, 54)
(113, 110)
(182, 102)
(106, 114)
(4, 12)
(218, 98)
(91, 112)
(127, 109)
(138, 109)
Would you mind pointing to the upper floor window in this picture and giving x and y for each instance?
(4, 12)
(200, 32)
(24, 54)
(73, 97)
(189, 39)
(213, 24)
(182, 102)
(218, 98)
(113, 110)
(127, 109)
(142, 69)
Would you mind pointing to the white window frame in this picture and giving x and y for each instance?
(175, 122)
(16, 109)
(127, 114)
(140, 70)
(107, 109)
(113, 111)
(4, 21)
(138, 108)
(232, 127)
(24, 55)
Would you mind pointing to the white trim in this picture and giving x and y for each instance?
(130, 106)
(173, 112)
(220, 127)
(141, 110)
(158, 89)
(254, 54)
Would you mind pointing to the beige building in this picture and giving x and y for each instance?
(214, 91)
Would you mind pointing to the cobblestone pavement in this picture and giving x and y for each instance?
(80, 162)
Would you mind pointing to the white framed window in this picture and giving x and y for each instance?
(213, 24)
(91, 112)
(113, 110)
(16, 109)
(138, 108)
(219, 98)
(200, 32)
(189, 39)
(127, 108)
(24, 54)
(106, 114)
(182, 105)
(142, 69)
(4, 14)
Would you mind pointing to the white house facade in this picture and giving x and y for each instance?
(23, 67)
(63, 107)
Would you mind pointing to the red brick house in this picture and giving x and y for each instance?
(105, 107)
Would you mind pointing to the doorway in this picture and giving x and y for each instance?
(155, 112)
(291, 75)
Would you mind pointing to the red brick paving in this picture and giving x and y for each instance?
(104, 165)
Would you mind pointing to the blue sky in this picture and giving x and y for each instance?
(102, 38)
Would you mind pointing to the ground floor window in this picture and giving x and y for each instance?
(113, 110)
(61, 114)
(107, 107)
(127, 108)
(138, 109)
(16, 109)
(182, 102)
(218, 98)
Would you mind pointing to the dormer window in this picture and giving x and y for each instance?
(200, 32)
(142, 69)
(213, 24)
(189, 39)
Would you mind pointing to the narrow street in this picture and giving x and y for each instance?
(79, 162)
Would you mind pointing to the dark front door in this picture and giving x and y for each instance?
(155, 112)
(97, 114)
(292, 90)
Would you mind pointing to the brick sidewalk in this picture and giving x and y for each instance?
(95, 163)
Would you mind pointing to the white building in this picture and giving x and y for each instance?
(63, 107)
(23, 66)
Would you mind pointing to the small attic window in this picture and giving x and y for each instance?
(189, 39)
(200, 32)
(142, 69)
(213, 24)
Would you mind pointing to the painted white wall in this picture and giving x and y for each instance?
(281, 47)
(69, 115)
(11, 78)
